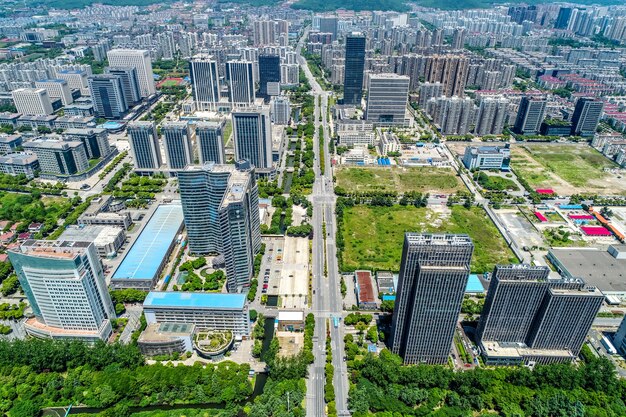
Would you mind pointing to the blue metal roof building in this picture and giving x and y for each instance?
(195, 300)
(208, 311)
(147, 256)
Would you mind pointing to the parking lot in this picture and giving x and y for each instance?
(286, 271)
(519, 228)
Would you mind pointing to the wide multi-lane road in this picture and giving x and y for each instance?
(327, 301)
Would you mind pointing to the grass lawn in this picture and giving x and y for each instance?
(573, 163)
(374, 235)
(170, 83)
(495, 182)
(566, 168)
(421, 179)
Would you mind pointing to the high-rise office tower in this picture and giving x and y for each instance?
(514, 296)
(280, 110)
(529, 317)
(141, 61)
(57, 89)
(240, 78)
(530, 115)
(329, 24)
(491, 116)
(354, 67)
(205, 81)
(32, 101)
(449, 70)
(252, 129)
(95, 140)
(76, 79)
(60, 157)
(177, 143)
(64, 283)
(130, 83)
(387, 95)
(433, 275)
(562, 20)
(209, 137)
(564, 318)
(144, 145)
(269, 73)
(221, 209)
(586, 116)
(107, 95)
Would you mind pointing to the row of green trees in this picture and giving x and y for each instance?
(41, 373)
(285, 390)
(382, 385)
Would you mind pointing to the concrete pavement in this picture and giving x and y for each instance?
(327, 300)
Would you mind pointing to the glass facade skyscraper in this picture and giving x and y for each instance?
(354, 68)
(433, 276)
(177, 141)
(64, 283)
(221, 210)
(144, 145)
(209, 137)
(204, 82)
(253, 136)
(107, 94)
(269, 72)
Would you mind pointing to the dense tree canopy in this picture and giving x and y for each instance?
(384, 386)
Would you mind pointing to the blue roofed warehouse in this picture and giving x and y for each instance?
(208, 311)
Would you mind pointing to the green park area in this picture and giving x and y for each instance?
(495, 182)
(566, 168)
(393, 179)
(374, 236)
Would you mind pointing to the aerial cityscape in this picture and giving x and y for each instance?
(249, 208)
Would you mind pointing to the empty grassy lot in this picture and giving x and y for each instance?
(374, 236)
(401, 180)
(566, 168)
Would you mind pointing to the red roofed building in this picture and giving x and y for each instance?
(365, 293)
(545, 191)
(595, 231)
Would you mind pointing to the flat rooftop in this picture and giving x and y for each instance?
(144, 258)
(56, 249)
(92, 233)
(596, 267)
(290, 316)
(200, 300)
(514, 350)
(163, 332)
(439, 239)
(364, 285)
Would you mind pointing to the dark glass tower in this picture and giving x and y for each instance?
(354, 67)
(431, 285)
(269, 71)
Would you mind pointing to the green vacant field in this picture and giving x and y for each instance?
(578, 165)
(575, 164)
(401, 180)
(374, 236)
